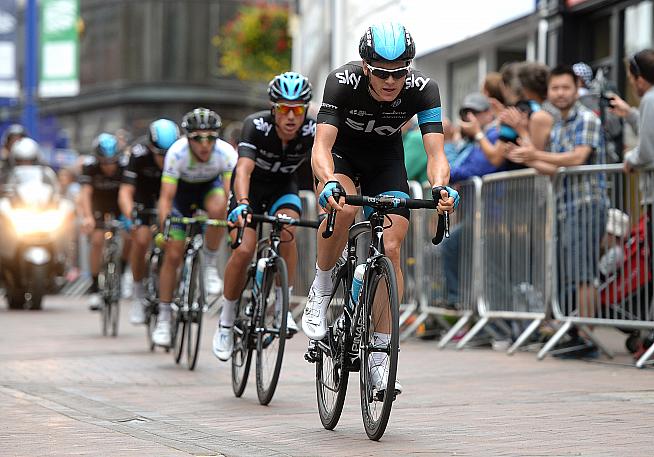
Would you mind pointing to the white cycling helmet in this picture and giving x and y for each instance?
(25, 149)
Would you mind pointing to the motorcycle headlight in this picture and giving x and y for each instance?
(28, 222)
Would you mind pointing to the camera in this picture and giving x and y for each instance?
(463, 113)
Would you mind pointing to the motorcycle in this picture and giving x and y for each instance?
(35, 220)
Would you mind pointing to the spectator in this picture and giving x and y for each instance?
(478, 129)
(593, 95)
(492, 89)
(576, 139)
(641, 77)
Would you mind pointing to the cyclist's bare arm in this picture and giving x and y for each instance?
(438, 168)
(86, 200)
(322, 162)
(244, 169)
(126, 199)
(165, 205)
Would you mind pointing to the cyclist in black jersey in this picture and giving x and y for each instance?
(273, 145)
(100, 180)
(358, 141)
(140, 189)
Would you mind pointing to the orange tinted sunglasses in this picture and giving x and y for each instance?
(298, 110)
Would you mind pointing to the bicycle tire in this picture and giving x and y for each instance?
(179, 336)
(270, 346)
(375, 416)
(331, 373)
(151, 321)
(195, 299)
(242, 333)
(113, 291)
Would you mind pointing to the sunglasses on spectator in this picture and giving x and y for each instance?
(201, 137)
(384, 73)
(633, 66)
(283, 108)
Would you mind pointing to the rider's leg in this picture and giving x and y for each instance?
(235, 274)
(97, 241)
(393, 238)
(314, 320)
(330, 249)
(288, 247)
(168, 275)
(141, 237)
(216, 206)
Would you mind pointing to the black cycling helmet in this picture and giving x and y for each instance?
(162, 133)
(387, 42)
(289, 86)
(201, 119)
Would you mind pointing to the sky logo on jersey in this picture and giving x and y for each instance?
(384, 130)
(348, 77)
(262, 125)
(309, 129)
(416, 81)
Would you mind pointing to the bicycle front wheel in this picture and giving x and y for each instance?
(195, 305)
(271, 329)
(179, 334)
(331, 373)
(379, 355)
(243, 335)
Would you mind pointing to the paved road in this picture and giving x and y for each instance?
(65, 390)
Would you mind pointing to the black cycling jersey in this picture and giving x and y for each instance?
(259, 142)
(144, 174)
(365, 124)
(105, 188)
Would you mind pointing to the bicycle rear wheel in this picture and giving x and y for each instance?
(196, 303)
(271, 329)
(243, 334)
(382, 297)
(331, 373)
(113, 289)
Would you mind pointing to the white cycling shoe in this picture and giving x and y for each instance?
(212, 281)
(291, 326)
(161, 335)
(137, 312)
(223, 343)
(314, 318)
(379, 381)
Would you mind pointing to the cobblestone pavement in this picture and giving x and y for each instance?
(65, 390)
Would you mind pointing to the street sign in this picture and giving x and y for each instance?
(59, 48)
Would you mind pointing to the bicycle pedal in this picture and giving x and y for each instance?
(311, 355)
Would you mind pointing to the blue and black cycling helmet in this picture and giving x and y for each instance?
(201, 119)
(289, 86)
(387, 42)
(105, 147)
(162, 133)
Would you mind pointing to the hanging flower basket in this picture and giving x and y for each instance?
(255, 45)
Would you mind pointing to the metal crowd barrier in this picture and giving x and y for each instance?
(602, 244)
(454, 258)
(514, 256)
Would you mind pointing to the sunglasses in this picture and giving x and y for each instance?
(633, 66)
(384, 73)
(282, 108)
(201, 137)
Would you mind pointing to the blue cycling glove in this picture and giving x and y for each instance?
(236, 212)
(127, 223)
(331, 188)
(436, 194)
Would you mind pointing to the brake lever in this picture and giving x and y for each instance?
(331, 217)
(241, 229)
(443, 229)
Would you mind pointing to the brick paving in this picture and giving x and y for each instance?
(65, 390)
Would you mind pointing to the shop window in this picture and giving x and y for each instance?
(464, 79)
(639, 34)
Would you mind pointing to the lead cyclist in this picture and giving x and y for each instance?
(358, 142)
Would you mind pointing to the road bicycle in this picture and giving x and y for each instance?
(109, 277)
(190, 301)
(260, 322)
(354, 316)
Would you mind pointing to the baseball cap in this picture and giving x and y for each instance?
(476, 102)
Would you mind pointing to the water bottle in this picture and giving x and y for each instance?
(258, 277)
(359, 271)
